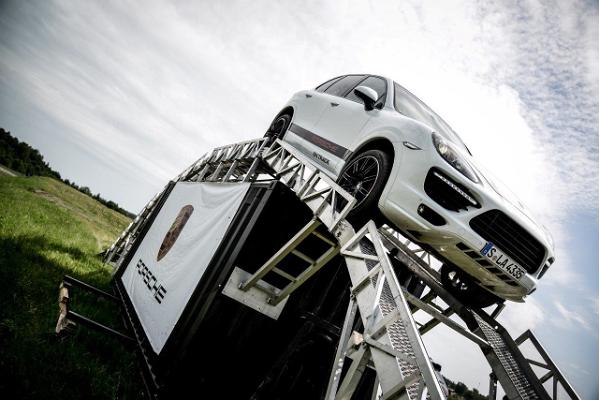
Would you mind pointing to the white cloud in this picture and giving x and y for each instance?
(517, 318)
(571, 318)
(579, 369)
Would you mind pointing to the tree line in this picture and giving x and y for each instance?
(24, 159)
(460, 391)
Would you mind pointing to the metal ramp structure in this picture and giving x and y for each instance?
(390, 341)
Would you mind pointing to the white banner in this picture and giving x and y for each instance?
(174, 254)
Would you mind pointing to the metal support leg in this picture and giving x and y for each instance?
(374, 395)
(78, 318)
(498, 310)
(340, 354)
(493, 387)
(553, 371)
(76, 282)
(67, 318)
(355, 372)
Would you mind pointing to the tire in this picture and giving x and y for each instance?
(279, 127)
(364, 177)
(464, 288)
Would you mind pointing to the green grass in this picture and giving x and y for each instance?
(47, 230)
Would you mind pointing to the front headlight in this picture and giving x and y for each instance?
(452, 157)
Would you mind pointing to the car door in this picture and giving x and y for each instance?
(344, 118)
(308, 107)
(318, 146)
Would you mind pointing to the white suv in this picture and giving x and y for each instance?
(395, 155)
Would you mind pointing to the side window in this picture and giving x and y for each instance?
(323, 86)
(377, 84)
(343, 86)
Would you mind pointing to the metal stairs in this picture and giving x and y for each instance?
(391, 340)
(508, 364)
(390, 337)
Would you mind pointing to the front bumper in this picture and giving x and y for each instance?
(454, 240)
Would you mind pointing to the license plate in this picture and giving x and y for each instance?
(502, 261)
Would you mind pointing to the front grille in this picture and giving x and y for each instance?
(496, 227)
(447, 193)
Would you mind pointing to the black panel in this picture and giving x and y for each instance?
(462, 246)
(445, 194)
(431, 216)
(220, 346)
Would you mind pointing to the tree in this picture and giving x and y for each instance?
(460, 388)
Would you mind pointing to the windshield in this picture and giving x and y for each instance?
(408, 104)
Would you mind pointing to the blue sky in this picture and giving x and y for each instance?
(121, 96)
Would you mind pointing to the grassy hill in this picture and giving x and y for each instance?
(19, 158)
(47, 230)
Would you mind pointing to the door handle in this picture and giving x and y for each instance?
(334, 104)
(308, 96)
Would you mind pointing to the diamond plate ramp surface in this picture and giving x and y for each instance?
(503, 355)
(514, 370)
(396, 331)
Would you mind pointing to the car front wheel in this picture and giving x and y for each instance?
(364, 177)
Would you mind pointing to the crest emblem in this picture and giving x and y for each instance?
(174, 231)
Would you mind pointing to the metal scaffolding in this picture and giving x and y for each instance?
(390, 341)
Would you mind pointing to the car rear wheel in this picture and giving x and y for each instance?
(279, 127)
(364, 177)
(464, 288)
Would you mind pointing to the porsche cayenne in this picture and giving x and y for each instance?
(407, 167)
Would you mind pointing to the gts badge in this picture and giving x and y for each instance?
(320, 158)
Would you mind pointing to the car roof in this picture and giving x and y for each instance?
(442, 126)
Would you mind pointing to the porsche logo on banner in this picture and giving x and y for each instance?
(173, 233)
(175, 252)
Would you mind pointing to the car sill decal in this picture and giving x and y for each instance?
(333, 148)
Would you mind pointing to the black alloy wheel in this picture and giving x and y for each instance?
(364, 177)
(359, 178)
(279, 126)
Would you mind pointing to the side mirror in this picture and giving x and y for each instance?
(367, 95)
